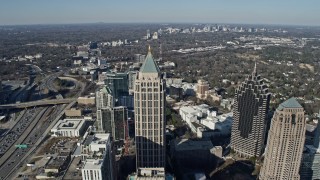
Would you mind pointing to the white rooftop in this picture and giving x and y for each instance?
(203, 108)
(69, 124)
(100, 138)
(94, 164)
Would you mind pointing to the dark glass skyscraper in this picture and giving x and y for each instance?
(250, 110)
(118, 84)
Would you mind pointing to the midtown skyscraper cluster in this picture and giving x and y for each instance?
(286, 137)
(284, 147)
(280, 153)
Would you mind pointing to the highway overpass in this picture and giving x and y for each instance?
(37, 103)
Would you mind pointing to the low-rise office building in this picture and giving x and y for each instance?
(201, 118)
(69, 127)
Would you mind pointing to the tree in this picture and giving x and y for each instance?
(50, 174)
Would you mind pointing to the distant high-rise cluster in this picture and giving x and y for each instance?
(285, 143)
(251, 106)
(148, 34)
(111, 118)
(149, 106)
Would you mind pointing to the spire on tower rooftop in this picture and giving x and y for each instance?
(149, 65)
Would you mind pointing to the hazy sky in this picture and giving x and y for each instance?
(291, 12)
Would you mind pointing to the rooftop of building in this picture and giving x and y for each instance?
(116, 74)
(56, 163)
(2, 118)
(203, 82)
(310, 128)
(310, 149)
(187, 144)
(88, 140)
(290, 103)
(98, 138)
(195, 109)
(149, 65)
(87, 97)
(66, 124)
(105, 89)
(167, 177)
(92, 164)
(197, 125)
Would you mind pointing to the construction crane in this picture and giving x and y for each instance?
(126, 134)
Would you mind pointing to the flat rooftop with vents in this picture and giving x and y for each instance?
(69, 127)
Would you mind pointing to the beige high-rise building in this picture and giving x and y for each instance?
(202, 87)
(149, 106)
(285, 143)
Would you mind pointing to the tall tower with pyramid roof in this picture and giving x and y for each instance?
(251, 106)
(285, 143)
(149, 106)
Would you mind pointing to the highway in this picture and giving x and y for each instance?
(21, 95)
(36, 131)
(31, 127)
(35, 139)
(78, 84)
(48, 82)
(16, 131)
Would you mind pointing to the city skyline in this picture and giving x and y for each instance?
(102, 90)
(80, 11)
